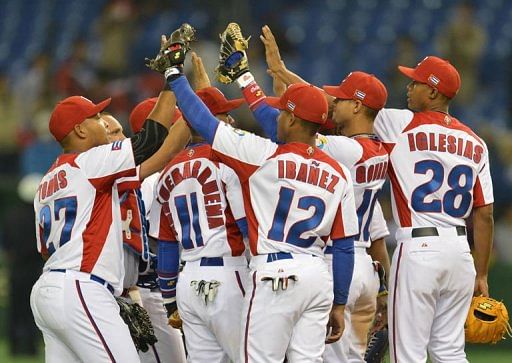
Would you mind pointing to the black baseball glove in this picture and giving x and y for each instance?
(232, 57)
(173, 50)
(137, 319)
(377, 346)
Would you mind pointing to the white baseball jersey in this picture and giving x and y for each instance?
(198, 201)
(439, 168)
(295, 196)
(78, 214)
(367, 161)
(148, 190)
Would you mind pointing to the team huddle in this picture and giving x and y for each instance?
(262, 249)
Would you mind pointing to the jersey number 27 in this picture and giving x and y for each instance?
(46, 219)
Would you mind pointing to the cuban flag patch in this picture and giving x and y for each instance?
(359, 94)
(117, 145)
(433, 79)
(290, 105)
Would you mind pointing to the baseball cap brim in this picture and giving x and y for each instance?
(335, 91)
(231, 105)
(100, 107)
(275, 102)
(409, 72)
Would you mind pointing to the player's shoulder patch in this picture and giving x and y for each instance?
(321, 141)
(239, 132)
(117, 145)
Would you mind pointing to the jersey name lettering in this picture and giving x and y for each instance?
(212, 198)
(49, 187)
(421, 141)
(367, 174)
(308, 174)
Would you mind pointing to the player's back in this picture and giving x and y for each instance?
(294, 201)
(439, 168)
(200, 196)
(367, 160)
(77, 207)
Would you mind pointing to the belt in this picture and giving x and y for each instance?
(328, 249)
(94, 278)
(212, 261)
(279, 256)
(432, 231)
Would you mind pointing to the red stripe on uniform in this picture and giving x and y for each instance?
(93, 323)
(244, 171)
(478, 195)
(239, 282)
(233, 233)
(401, 204)
(394, 300)
(96, 231)
(249, 317)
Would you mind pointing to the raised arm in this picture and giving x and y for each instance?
(233, 46)
(274, 61)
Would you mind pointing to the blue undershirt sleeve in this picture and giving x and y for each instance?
(242, 225)
(167, 269)
(267, 118)
(342, 268)
(194, 110)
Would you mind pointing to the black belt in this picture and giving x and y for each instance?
(432, 231)
(92, 277)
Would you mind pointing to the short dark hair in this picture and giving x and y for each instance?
(311, 127)
(370, 112)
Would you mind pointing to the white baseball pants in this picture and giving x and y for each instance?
(431, 285)
(169, 348)
(289, 322)
(80, 320)
(359, 311)
(212, 329)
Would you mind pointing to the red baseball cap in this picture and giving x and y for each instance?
(363, 87)
(437, 73)
(304, 101)
(72, 111)
(216, 102)
(141, 112)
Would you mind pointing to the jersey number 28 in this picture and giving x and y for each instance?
(460, 189)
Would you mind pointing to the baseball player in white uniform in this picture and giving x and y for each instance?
(439, 172)
(137, 256)
(359, 94)
(78, 229)
(199, 203)
(295, 198)
(356, 102)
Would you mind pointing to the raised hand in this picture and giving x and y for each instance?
(272, 55)
(201, 79)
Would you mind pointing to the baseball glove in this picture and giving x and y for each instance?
(173, 50)
(487, 321)
(232, 58)
(377, 346)
(137, 319)
(175, 320)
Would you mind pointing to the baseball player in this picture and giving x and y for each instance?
(295, 197)
(199, 203)
(78, 229)
(356, 102)
(134, 213)
(439, 172)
